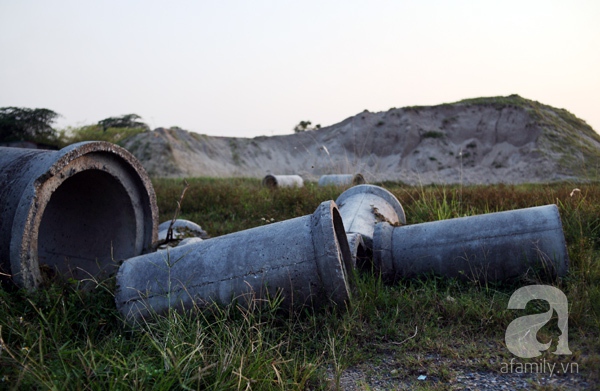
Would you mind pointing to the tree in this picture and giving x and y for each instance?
(304, 126)
(124, 121)
(24, 124)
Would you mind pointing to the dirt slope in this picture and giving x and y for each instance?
(484, 140)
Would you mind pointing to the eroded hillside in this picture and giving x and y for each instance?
(485, 140)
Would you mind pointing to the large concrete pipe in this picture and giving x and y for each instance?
(363, 206)
(490, 247)
(306, 260)
(342, 180)
(274, 181)
(75, 211)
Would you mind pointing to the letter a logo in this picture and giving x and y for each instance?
(521, 333)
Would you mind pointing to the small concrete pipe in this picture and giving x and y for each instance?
(490, 247)
(74, 212)
(306, 259)
(342, 180)
(363, 206)
(274, 181)
(181, 229)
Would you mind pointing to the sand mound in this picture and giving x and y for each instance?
(476, 141)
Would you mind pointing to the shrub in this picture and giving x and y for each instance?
(73, 135)
(433, 134)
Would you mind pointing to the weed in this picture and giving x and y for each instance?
(63, 337)
(73, 135)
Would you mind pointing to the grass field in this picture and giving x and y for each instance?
(62, 337)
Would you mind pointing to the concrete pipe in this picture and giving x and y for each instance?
(363, 206)
(306, 259)
(358, 251)
(342, 180)
(181, 229)
(491, 247)
(74, 212)
(187, 241)
(274, 181)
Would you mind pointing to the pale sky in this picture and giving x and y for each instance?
(250, 68)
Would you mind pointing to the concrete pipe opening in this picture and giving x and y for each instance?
(81, 232)
(74, 212)
(275, 181)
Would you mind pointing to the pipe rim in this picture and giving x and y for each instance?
(560, 268)
(39, 191)
(386, 195)
(332, 253)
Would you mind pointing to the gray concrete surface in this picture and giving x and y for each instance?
(307, 260)
(490, 247)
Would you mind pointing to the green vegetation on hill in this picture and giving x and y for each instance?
(35, 125)
(97, 133)
(113, 129)
(64, 338)
(498, 101)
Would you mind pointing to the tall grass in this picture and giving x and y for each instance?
(64, 337)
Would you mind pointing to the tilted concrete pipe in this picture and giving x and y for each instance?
(274, 181)
(342, 180)
(306, 259)
(490, 247)
(72, 211)
(363, 206)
